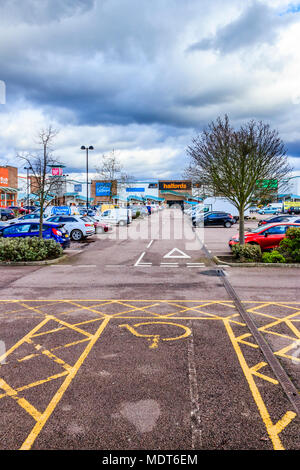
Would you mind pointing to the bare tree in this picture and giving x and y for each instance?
(111, 169)
(44, 185)
(239, 165)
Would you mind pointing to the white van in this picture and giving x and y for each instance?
(276, 205)
(120, 216)
(222, 204)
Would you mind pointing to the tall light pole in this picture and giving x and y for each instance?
(27, 181)
(87, 172)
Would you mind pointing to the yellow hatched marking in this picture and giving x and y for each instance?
(21, 401)
(73, 327)
(38, 382)
(27, 444)
(57, 360)
(279, 321)
(134, 309)
(91, 309)
(24, 339)
(240, 339)
(255, 370)
(272, 429)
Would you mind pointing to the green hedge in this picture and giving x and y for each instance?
(289, 247)
(273, 257)
(28, 249)
(247, 253)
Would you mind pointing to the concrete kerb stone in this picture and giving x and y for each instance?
(34, 263)
(255, 265)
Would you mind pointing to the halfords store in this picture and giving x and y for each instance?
(8, 186)
(175, 192)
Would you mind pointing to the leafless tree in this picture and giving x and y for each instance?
(111, 169)
(44, 184)
(240, 165)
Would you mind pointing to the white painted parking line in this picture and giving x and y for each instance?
(73, 265)
(138, 263)
(149, 244)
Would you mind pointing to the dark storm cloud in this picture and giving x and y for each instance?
(293, 148)
(116, 72)
(258, 24)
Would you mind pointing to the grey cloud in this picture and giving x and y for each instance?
(42, 11)
(258, 24)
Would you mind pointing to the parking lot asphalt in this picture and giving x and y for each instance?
(133, 343)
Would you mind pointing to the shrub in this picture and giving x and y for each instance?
(289, 247)
(28, 249)
(247, 253)
(137, 214)
(273, 257)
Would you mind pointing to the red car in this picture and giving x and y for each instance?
(267, 237)
(19, 209)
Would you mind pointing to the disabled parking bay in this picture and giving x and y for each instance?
(138, 374)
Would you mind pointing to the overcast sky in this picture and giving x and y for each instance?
(143, 77)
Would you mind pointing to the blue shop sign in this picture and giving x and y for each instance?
(103, 189)
(135, 190)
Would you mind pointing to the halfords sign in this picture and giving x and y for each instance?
(175, 185)
(3, 177)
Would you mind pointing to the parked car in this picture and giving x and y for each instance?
(77, 228)
(214, 219)
(253, 209)
(18, 209)
(31, 229)
(100, 227)
(269, 210)
(85, 211)
(120, 216)
(30, 208)
(267, 237)
(31, 216)
(6, 214)
(294, 210)
(273, 220)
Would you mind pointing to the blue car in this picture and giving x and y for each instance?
(269, 210)
(31, 229)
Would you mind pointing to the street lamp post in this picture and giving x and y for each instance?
(87, 172)
(27, 185)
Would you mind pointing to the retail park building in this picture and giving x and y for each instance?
(168, 191)
(8, 186)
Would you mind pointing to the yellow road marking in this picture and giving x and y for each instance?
(190, 305)
(156, 337)
(273, 430)
(21, 401)
(29, 441)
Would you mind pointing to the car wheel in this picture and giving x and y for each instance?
(100, 229)
(122, 222)
(76, 235)
(4, 217)
(227, 224)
